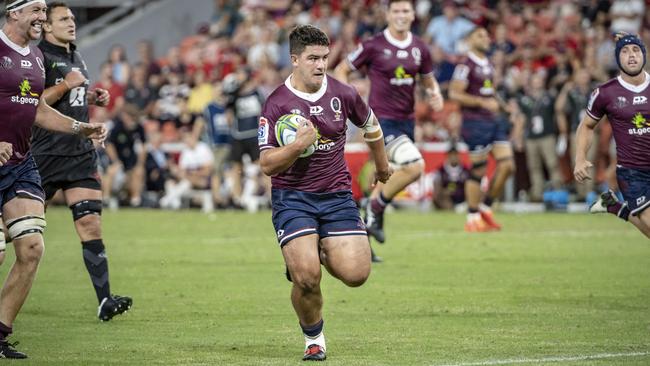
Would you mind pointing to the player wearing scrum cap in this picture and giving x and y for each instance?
(625, 100)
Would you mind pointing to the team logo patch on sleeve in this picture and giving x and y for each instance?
(263, 132)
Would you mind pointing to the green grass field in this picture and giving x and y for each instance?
(210, 290)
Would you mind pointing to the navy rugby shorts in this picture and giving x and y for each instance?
(20, 180)
(635, 186)
(297, 214)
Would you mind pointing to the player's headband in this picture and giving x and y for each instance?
(19, 4)
(625, 40)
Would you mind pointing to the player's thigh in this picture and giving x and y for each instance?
(302, 257)
(502, 151)
(402, 153)
(635, 186)
(348, 257)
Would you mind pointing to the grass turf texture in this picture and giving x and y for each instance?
(210, 290)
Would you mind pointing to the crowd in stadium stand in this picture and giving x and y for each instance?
(179, 123)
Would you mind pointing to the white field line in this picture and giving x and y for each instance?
(514, 361)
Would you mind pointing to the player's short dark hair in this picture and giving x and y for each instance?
(390, 2)
(472, 31)
(53, 5)
(306, 35)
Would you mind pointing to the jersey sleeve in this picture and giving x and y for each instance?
(426, 67)
(596, 105)
(360, 57)
(461, 73)
(266, 126)
(358, 111)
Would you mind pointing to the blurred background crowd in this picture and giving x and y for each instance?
(184, 126)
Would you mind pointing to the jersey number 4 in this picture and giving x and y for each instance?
(78, 97)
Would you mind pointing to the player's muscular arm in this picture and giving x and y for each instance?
(560, 106)
(375, 140)
(276, 160)
(72, 80)
(457, 92)
(584, 137)
(433, 92)
(342, 71)
(50, 119)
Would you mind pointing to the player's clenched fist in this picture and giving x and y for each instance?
(6, 150)
(382, 175)
(74, 79)
(581, 171)
(306, 134)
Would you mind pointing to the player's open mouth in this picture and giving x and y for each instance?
(37, 26)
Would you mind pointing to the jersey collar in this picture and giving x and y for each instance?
(635, 88)
(24, 51)
(479, 61)
(397, 43)
(311, 97)
(56, 48)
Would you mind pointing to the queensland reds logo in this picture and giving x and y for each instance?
(417, 55)
(335, 104)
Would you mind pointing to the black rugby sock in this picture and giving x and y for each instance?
(4, 331)
(97, 265)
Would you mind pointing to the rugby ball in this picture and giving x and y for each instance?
(285, 132)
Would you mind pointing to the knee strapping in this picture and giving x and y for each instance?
(86, 207)
(25, 226)
(402, 151)
(3, 243)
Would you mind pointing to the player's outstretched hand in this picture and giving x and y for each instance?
(6, 151)
(306, 134)
(435, 99)
(99, 97)
(74, 79)
(581, 171)
(95, 131)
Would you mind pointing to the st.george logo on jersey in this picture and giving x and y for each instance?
(285, 132)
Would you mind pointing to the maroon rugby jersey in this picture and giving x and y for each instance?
(628, 109)
(328, 109)
(22, 79)
(478, 73)
(392, 66)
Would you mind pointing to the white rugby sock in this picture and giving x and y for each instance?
(319, 340)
